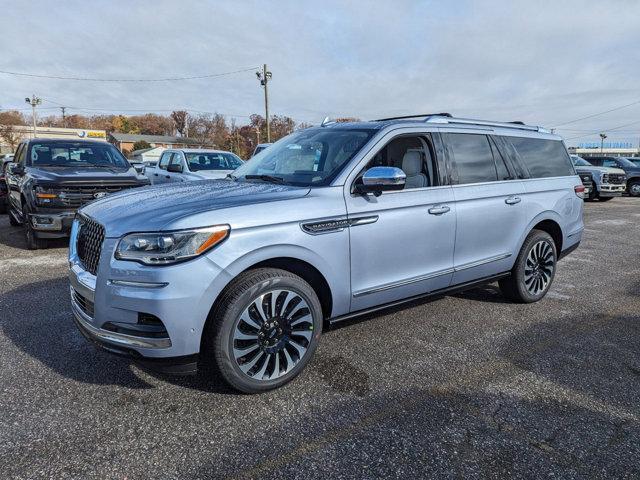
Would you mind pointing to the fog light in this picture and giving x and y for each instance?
(44, 220)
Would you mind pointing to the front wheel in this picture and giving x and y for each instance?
(634, 188)
(265, 329)
(533, 271)
(33, 242)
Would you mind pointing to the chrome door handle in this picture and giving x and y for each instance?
(512, 200)
(439, 210)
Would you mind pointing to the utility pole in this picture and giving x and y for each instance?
(265, 77)
(64, 119)
(33, 101)
(602, 137)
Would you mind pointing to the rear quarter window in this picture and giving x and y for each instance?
(543, 158)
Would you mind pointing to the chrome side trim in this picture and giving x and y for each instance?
(481, 262)
(354, 222)
(335, 224)
(128, 283)
(84, 323)
(389, 286)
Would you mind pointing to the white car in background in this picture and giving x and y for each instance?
(181, 165)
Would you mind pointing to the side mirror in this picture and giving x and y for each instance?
(15, 169)
(381, 179)
(175, 168)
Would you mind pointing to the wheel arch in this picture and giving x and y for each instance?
(548, 222)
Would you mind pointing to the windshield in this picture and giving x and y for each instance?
(626, 162)
(212, 161)
(310, 157)
(76, 154)
(580, 162)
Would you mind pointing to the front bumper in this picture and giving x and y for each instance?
(110, 307)
(52, 224)
(610, 190)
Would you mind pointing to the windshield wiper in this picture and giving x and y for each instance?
(266, 178)
(232, 176)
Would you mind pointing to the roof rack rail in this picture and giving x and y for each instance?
(469, 121)
(413, 116)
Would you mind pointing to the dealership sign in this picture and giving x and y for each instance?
(606, 145)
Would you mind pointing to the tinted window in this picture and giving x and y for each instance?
(609, 162)
(472, 157)
(76, 154)
(501, 166)
(212, 161)
(164, 160)
(176, 159)
(543, 158)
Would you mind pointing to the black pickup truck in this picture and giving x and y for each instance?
(50, 179)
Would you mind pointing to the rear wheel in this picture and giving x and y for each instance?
(634, 188)
(533, 272)
(265, 330)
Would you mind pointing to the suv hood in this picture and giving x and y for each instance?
(153, 208)
(83, 175)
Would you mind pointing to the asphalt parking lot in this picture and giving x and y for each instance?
(465, 386)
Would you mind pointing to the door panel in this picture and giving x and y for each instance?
(490, 220)
(398, 248)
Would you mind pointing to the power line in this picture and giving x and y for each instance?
(90, 79)
(604, 130)
(597, 114)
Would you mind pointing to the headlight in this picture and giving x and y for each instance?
(163, 248)
(45, 195)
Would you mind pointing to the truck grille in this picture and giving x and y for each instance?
(614, 178)
(89, 244)
(79, 195)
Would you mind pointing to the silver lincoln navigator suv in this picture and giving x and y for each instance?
(328, 223)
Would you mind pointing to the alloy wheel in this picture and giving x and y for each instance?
(539, 267)
(272, 334)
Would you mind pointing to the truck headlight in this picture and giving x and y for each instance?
(164, 248)
(45, 195)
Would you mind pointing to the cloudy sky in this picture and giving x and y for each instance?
(543, 62)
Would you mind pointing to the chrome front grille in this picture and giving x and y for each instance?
(614, 178)
(79, 195)
(89, 243)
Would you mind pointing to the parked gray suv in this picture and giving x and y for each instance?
(328, 223)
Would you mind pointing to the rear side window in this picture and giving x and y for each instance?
(543, 158)
(472, 157)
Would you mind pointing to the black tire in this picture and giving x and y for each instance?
(592, 195)
(238, 301)
(30, 236)
(605, 199)
(633, 188)
(525, 284)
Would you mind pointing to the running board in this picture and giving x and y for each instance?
(436, 293)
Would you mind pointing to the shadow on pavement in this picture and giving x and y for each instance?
(41, 325)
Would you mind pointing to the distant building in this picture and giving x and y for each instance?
(147, 155)
(23, 132)
(609, 149)
(125, 141)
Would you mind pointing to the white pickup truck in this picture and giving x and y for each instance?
(181, 165)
